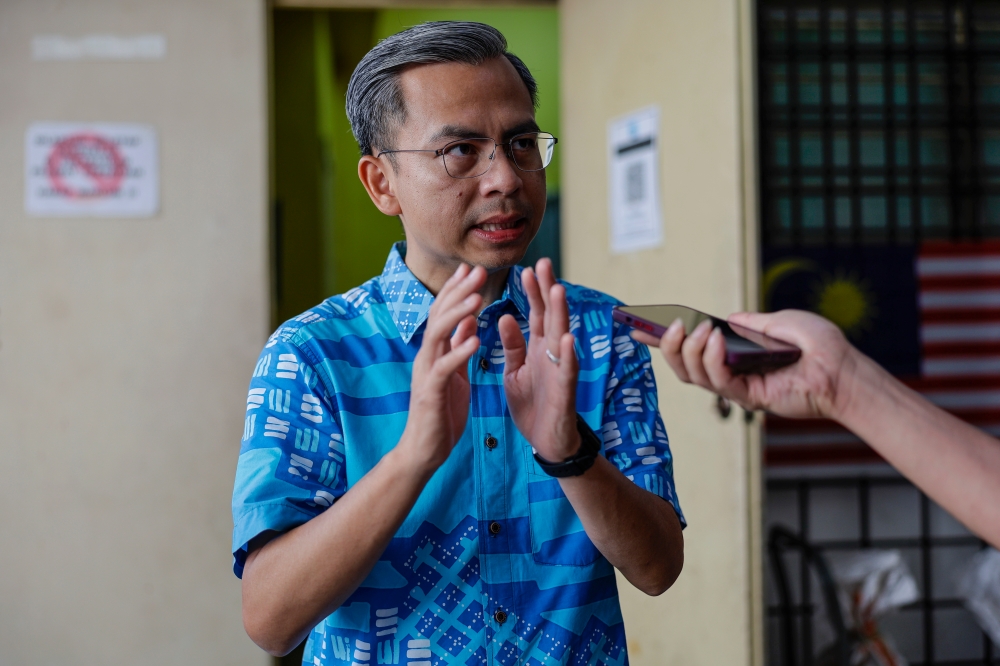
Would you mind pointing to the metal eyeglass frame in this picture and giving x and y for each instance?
(508, 151)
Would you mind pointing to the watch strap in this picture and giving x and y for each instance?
(590, 448)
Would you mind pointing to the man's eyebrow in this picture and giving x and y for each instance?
(456, 132)
(459, 132)
(522, 128)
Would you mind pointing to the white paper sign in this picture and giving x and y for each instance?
(633, 161)
(91, 170)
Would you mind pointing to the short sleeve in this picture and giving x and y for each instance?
(291, 464)
(634, 437)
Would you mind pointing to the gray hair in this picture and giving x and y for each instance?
(375, 104)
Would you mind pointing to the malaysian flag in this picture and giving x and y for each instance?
(934, 322)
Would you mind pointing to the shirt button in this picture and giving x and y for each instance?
(491, 442)
(494, 528)
(484, 364)
(500, 617)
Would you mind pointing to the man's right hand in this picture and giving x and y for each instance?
(295, 580)
(439, 388)
(810, 388)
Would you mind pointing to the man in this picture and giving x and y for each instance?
(388, 501)
(956, 464)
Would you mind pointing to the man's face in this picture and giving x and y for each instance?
(486, 221)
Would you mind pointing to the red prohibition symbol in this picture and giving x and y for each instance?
(97, 160)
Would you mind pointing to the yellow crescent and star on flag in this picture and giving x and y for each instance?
(842, 296)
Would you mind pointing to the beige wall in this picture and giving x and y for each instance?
(685, 57)
(126, 345)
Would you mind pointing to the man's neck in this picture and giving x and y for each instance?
(434, 274)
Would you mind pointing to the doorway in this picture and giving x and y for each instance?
(326, 235)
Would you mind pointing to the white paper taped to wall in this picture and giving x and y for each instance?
(91, 170)
(99, 47)
(634, 187)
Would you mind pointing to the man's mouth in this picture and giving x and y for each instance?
(501, 229)
(499, 226)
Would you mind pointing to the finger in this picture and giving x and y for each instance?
(670, 346)
(515, 348)
(692, 351)
(453, 361)
(755, 320)
(644, 338)
(714, 360)
(536, 314)
(448, 287)
(546, 278)
(723, 381)
(569, 366)
(456, 277)
(465, 329)
(440, 326)
(806, 330)
(472, 282)
(557, 316)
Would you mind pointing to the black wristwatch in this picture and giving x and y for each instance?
(590, 448)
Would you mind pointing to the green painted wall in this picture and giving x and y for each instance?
(357, 236)
(296, 248)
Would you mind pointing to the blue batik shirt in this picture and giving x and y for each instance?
(492, 565)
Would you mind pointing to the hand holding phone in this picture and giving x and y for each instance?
(747, 351)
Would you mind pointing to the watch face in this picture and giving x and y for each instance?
(589, 441)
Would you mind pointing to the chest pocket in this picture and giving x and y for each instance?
(557, 535)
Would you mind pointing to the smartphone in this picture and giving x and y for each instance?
(747, 351)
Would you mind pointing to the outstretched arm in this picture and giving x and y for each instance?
(955, 463)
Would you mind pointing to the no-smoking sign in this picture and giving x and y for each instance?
(91, 170)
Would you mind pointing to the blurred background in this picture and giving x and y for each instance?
(837, 156)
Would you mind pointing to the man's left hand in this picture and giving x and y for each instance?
(541, 392)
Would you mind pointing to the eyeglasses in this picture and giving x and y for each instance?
(470, 158)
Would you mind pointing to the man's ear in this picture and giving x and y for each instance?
(373, 174)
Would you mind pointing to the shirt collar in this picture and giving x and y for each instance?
(409, 301)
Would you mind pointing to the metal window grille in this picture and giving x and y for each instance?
(880, 121)
(879, 124)
(927, 548)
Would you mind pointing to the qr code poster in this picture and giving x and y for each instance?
(634, 184)
(91, 170)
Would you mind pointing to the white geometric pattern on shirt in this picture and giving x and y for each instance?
(450, 575)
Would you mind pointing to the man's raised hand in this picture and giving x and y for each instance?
(439, 387)
(541, 393)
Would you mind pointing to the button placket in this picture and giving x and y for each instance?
(493, 464)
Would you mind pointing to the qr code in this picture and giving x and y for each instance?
(635, 182)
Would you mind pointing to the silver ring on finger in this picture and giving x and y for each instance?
(552, 357)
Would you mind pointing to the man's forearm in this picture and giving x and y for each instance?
(955, 463)
(296, 580)
(638, 532)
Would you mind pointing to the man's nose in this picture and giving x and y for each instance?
(503, 176)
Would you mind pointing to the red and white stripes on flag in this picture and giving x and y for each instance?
(959, 301)
(959, 304)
